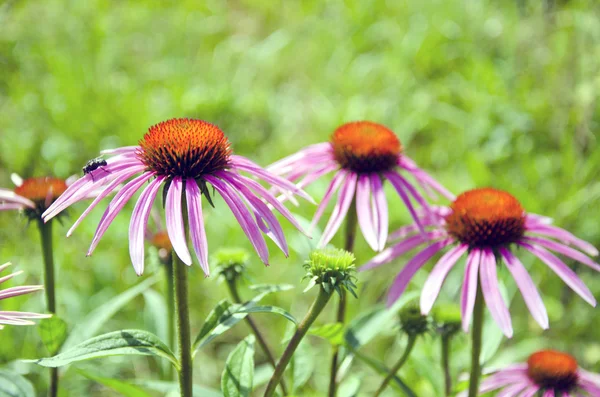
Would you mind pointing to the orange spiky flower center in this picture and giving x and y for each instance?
(551, 369)
(363, 146)
(486, 217)
(184, 147)
(43, 190)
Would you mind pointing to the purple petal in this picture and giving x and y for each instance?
(139, 222)
(380, 211)
(24, 315)
(564, 236)
(436, 278)
(563, 249)
(331, 190)
(399, 186)
(418, 197)
(11, 207)
(345, 197)
(174, 220)
(316, 174)
(243, 217)
(548, 393)
(21, 290)
(491, 293)
(9, 276)
(363, 211)
(395, 251)
(531, 391)
(307, 152)
(403, 278)
(13, 198)
(121, 150)
(469, 289)
(532, 298)
(197, 229)
(423, 177)
(512, 390)
(562, 271)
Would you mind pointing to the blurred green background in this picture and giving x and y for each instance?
(488, 92)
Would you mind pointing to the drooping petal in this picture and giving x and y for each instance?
(403, 278)
(307, 152)
(565, 250)
(436, 278)
(174, 221)
(512, 390)
(491, 293)
(469, 289)
(423, 177)
(363, 211)
(243, 217)
(562, 271)
(380, 211)
(21, 290)
(395, 251)
(532, 298)
(564, 236)
(11, 197)
(9, 276)
(345, 197)
(139, 222)
(331, 190)
(11, 207)
(313, 176)
(549, 393)
(196, 218)
(399, 186)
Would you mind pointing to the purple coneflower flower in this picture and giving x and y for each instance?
(17, 318)
(183, 156)
(547, 373)
(483, 224)
(362, 154)
(33, 195)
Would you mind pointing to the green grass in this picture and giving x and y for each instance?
(480, 93)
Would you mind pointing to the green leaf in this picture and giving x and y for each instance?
(303, 365)
(166, 388)
(350, 387)
(14, 385)
(124, 342)
(380, 368)
(236, 380)
(90, 325)
(333, 333)
(122, 387)
(270, 288)
(267, 309)
(53, 332)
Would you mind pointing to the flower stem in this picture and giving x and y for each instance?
(399, 364)
(261, 340)
(476, 343)
(311, 316)
(351, 224)
(170, 293)
(49, 288)
(183, 326)
(446, 364)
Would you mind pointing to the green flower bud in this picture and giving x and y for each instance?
(447, 318)
(230, 262)
(413, 322)
(332, 268)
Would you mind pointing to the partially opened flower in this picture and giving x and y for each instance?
(363, 155)
(183, 156)
(485, 225)
(547, 373)
(17, 318)
(33, 195)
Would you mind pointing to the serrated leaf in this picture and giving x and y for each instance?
(14, 385)
(238, 374)
(333, 333)
(117, 343)
(53, 332)
(120, 386)
(92, 323)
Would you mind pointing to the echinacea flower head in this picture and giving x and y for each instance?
(33, 195)
(546, 373)
(184, 157)
(363, 155)
(333, 269)
(485, 225)
(17, 318)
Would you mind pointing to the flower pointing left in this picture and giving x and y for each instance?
(183, 156)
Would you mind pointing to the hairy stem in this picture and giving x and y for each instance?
(183, 326)
(446, 364)
(476, 343)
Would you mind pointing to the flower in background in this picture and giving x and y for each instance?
(183, 156)
(17, 318)
(33, 195)
(483, 224)
(547, 373)
(362, 154)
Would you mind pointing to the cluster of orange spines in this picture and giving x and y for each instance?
(39, 190)
(184, 147)
(486, 217)
(553, 370)
(364, 146)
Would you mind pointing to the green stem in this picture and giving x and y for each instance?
(399, 364)
(446, 364)
(49, 288)
(183, 326)
(476, 343)
(311, 316)
(170, 293)
(350, 237)
(261, 340)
